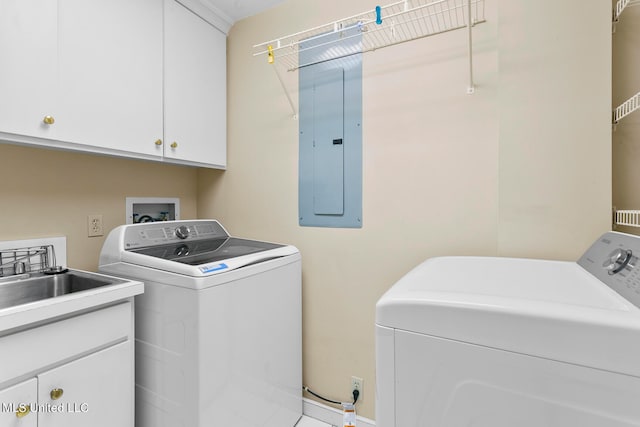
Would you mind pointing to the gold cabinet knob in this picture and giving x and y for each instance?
(48, 120)
(174, 145)
(56, 393)
(158, 142)
(23, 410)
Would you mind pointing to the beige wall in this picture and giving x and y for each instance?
(555, 132)
(50, 193)
(500, 172)
(626, 137)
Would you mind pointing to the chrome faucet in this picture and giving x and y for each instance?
(19, 267)
(26, 260)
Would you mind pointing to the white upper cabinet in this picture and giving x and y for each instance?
(133, 78)
(28, 74)
(110, 61)
(194, 88)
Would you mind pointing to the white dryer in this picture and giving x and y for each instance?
(499, 342)
(218, 329)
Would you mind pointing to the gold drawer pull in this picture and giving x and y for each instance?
(158, 142)
(56, 393)
(48, 120)
(23, 411)
(174, 145)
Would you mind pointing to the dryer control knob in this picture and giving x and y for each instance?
(183, 231)
(617, 260)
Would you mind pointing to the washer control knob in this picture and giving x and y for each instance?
(617, 260)
(183, 231)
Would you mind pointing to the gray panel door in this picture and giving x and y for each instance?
(328, 151)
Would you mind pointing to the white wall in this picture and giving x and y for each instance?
(499, 172)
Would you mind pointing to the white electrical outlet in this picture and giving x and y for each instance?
(94, 226)
(357, 384)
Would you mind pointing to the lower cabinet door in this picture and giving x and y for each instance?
(18, 405)
(95, 391)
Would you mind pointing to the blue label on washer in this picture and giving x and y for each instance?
(211, 268)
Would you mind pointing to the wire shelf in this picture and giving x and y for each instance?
(385, 26)
(626, 108)
(630, 218)
(31, 260)
(633, 103)
(621, 6)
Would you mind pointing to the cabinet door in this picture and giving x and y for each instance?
(95, 391)
(110, 56)
(14, 400)
(28, 74)
(195, 88)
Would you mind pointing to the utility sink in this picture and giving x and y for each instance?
(37, 288)
(26, 289)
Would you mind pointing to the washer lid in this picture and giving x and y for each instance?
(550, 309)
(195, 248)
(200, 252)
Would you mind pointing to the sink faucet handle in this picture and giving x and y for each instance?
(19, 268)
(50, 257)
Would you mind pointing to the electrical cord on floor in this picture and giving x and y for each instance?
(356, 394)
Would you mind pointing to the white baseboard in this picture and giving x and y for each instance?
(330, 415)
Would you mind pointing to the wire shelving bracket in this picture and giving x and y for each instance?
(621, 5)
(384, 26)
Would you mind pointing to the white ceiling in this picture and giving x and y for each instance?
(236, 10)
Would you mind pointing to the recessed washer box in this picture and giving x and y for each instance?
(149, 209)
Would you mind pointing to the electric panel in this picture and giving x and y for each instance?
(330, 164)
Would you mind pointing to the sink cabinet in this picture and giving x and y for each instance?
(140, 79)
(11, 401)
(74, 372)
(96, 390)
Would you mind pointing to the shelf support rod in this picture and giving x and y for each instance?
(286, 92)
(471, 87)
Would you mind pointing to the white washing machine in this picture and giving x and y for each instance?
(218, 329)
(498, 342)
